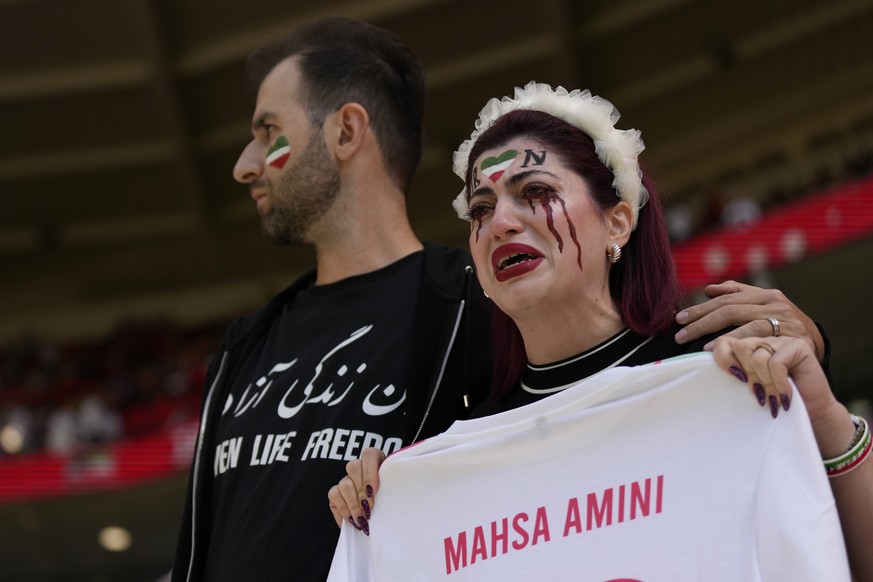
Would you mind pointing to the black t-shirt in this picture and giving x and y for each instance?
(329, 379)
(626, 348)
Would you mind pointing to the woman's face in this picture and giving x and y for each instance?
(536, 235)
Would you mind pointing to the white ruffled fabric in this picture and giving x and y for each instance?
(618, 149)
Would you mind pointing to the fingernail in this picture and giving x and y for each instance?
(680, 336)
(352, 521)
(682, 317)
(774, 406)
(759, 393)
(785, 401)
(364, 526)
(708, 347)
(369, 491)
(366, 508)
(741, 376)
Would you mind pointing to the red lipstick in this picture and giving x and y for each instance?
(514, 259)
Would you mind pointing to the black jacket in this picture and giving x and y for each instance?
(452, 308)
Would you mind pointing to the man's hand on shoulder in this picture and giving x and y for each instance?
(755, 311)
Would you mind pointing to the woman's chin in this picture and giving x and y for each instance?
(518, 302)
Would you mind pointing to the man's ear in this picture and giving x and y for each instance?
(620, 222)
(345, 130)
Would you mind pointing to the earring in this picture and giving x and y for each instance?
(486, 295)
(613, 252)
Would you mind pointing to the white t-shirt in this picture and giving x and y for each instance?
(658, 473)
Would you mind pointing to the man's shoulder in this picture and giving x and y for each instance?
(246, 324)
(448, 269)
(449, 254)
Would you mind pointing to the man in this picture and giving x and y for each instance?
(383, 344)
(374, 348)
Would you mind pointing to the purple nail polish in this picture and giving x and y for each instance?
(774, 406)
(352, 521)
(366, 507)
(364, 526)
(366, 529)
(369, 491)
(741, 376)
(785, 402)
(759, 394)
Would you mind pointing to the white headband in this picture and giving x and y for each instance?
(618, 149)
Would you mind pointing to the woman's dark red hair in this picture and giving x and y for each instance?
(643, 283)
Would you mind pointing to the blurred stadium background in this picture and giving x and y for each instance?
(126, 247)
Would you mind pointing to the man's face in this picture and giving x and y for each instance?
(290, 172)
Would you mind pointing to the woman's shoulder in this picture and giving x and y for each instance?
(663, 345)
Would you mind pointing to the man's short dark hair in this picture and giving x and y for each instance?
(343, 60)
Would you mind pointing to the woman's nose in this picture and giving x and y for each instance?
(506, 219)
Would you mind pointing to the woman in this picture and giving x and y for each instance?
(569, 242)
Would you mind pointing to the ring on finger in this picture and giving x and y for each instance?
(774, 323)
(768, 347)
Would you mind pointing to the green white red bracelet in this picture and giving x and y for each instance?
(858, 450)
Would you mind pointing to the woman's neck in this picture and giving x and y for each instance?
(552, 337)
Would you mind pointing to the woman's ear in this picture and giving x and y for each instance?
(620, 222)
(345, 130)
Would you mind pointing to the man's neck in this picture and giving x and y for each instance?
(360, 255)
(366, 229)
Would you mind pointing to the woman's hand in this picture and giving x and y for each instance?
(749, 307)
(766, 363)
(354, 497)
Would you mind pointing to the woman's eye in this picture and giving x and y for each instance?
(535, 190)
(478, 211)
(539, 194)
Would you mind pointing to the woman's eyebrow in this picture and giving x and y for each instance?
(480, 191)
(512, 181)
(515, 179)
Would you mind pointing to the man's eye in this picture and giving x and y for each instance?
(268, 130)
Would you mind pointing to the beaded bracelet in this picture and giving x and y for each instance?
(859, 449)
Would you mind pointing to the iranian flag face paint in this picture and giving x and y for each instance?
(279, 152)
(494, 167)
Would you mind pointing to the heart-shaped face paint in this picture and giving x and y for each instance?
(279, 152)
(495, 166)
